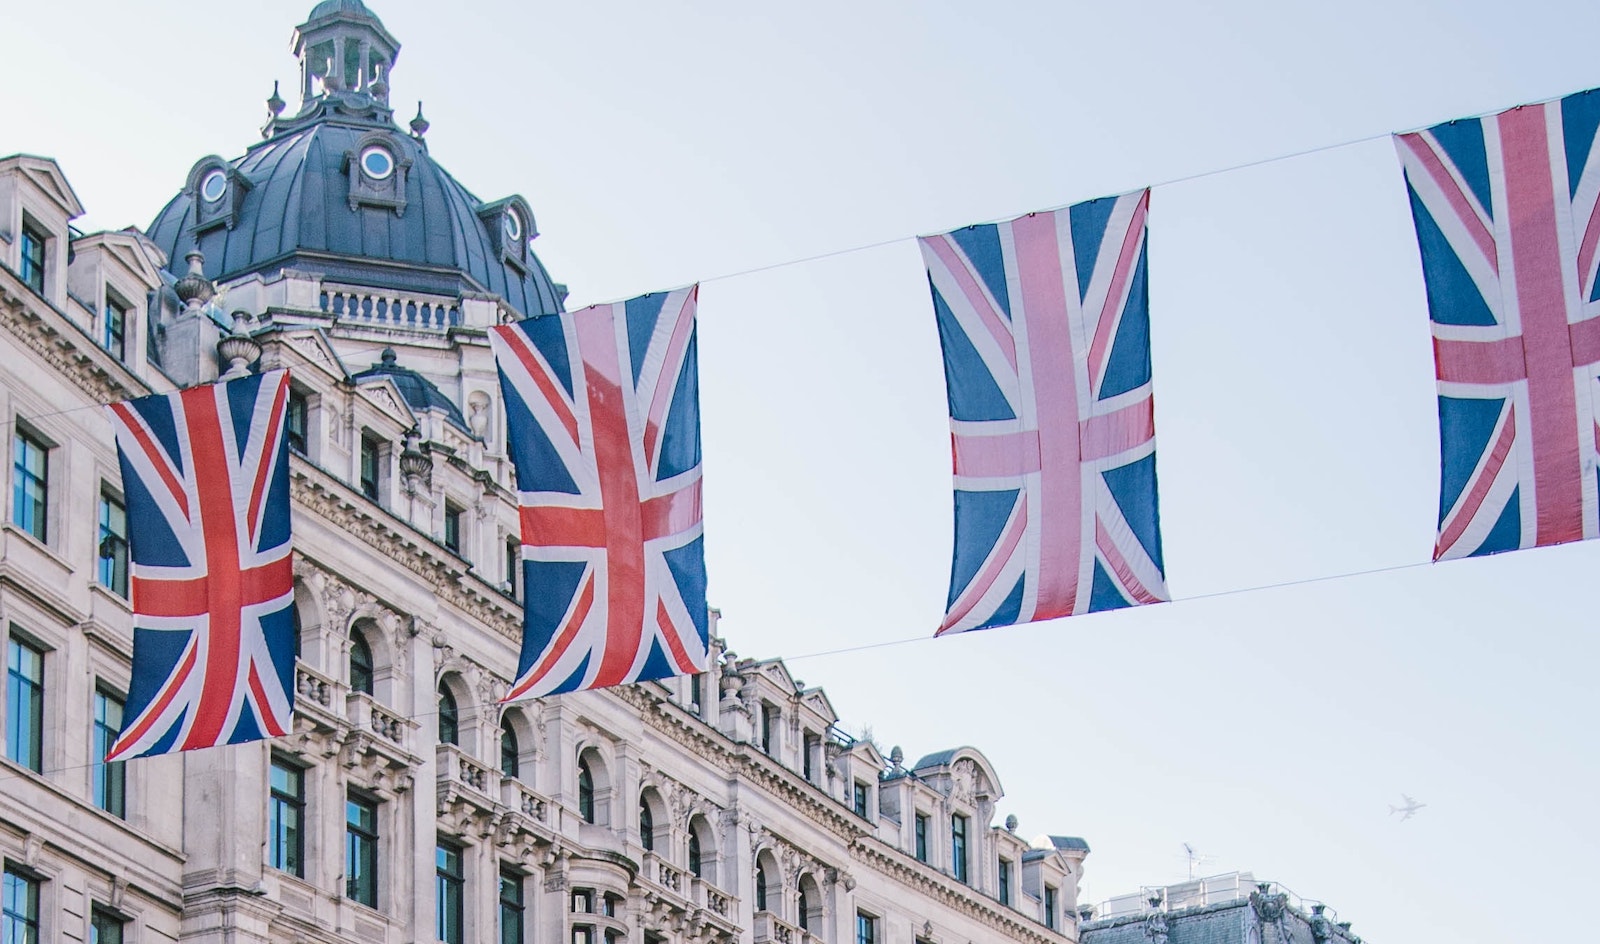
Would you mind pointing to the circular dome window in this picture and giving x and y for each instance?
(214, 186)
(377, 162)
(513, 225)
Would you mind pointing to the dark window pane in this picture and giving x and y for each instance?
(33, 243)
(512, 908)
(958, 847)
(585, 791)
(452, 528)
(510, 759)
(19, 909)
(104, 928)
(286, 813)
(25, 704)
(695, 865)
(110, 780)
(114, 328)
(647, 826)
(30, 476)
(369, 468)
(922, 838)
(295, 425)
(449, 718)
(361, 850)
(449, 893)
(113, 548)
(360, 664)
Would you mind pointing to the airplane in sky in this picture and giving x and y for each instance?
(1409, 808)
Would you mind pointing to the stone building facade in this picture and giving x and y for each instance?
(1221, 909)
(407, 805)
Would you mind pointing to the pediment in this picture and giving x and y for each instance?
(46, 176)
(383, 394)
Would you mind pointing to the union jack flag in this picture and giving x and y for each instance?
(1506, 213)
(603, 427)
(205, 472)
(1044, 321)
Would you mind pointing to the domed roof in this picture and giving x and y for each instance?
(335, 7)
(340, 190)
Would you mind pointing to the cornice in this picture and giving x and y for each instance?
(924, 880)
(63, 344)
(319, 493)
(662, 715)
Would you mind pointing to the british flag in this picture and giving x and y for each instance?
(1044, 321)
(603, 427)
(1506, 214)
(205, 472)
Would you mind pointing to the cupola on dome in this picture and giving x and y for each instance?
(340, 189)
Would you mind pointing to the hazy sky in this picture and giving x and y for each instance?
(660, 143)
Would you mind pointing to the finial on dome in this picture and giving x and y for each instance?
(275, 103)
(419, 124)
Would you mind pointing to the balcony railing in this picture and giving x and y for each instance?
(384, 307)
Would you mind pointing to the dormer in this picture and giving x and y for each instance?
(115, 276)
(510, 224)
(216, 190)
(377, 168)
(36, 206)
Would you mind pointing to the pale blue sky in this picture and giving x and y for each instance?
(660, 143)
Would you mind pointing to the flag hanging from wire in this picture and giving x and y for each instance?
(1506, 215)
(1044, 323)
(205, 473)
(603, 427)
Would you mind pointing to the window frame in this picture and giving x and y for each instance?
(452, 527)
(25, 440)
(33, 271)
(449, 892)
(510, 759)
(866, 928)
(102, 918)
(361, 849)
(1003, 870)
(286, 843)
(586, 791)
(111, 570)
(861, 799)
(647, 825)
(919, 827)
(115, 328)
(513, 909)
(31, 913)
(109, 780)
(363, 670)
(449, 717)
(18, 686)
(297, 422)
(371, 461)
(1050, 904)
(958, 847)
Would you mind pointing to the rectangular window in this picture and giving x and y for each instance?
(514, 564)
(114, 328)
(696, 691)
(1050, 907)
(19, 909)
(512, 909)
(1004, 882)
(33, 244)
(582, 934)
(296, 421)
(105, 927)
(286, 818)
(361, 850)
(769, 721)
(807, 756)
(922, 836)
(25, 705)
(866, 928)
(110, 780)
(30, 474)
(113, 545)
(369, 467)
(452, 527)
(449, 890)
(859, 798)
(958, 847)
(583, 901)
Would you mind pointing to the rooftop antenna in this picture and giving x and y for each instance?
(1194, 857)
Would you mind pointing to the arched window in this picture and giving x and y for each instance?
(695, 864)
(805, 909)
(449, 718)
(647, 825)
(761, 887)
(808, 914)
(585, 790)
(509, 765)
(360, 664)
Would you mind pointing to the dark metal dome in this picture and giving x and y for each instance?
(340, 190)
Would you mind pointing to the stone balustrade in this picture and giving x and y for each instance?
(390, 308)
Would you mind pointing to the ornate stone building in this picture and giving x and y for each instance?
(407, 805)
(1221, 909)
